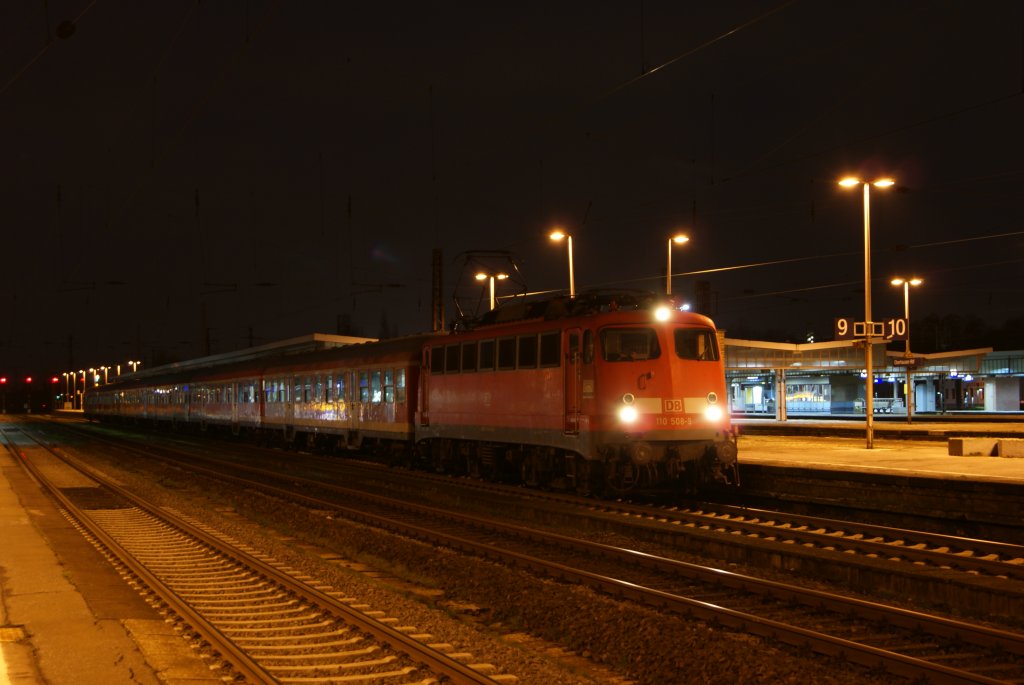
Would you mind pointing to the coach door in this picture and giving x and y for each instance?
(573, 372)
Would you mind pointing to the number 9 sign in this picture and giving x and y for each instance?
(844, 329)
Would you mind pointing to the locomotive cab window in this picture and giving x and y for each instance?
(696, 344)
(629, 344)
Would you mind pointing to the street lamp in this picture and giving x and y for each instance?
(557, 235)
(485, 276)
(906, 283)
(869, 403)
(678, 239)
(105, 369)
(134, 365)
(67, 387)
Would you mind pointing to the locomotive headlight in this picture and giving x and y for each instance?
(628, 412)
(662, 313)
(713, 413)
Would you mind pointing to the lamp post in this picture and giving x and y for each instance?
(557, 235)
(869, 389)
(678, 239)
(491, 277)
(81, 400)
(134, 365)
(906, 283)
(67, 387)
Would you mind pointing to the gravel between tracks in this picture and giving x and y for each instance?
(543, 631)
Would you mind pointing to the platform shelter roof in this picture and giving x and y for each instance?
(298, 345)
(841, 356)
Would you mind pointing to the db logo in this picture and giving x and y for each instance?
(673, 406)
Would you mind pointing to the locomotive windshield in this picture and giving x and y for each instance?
(697, 344)
(629, 344)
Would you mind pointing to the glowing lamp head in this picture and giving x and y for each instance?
(851, 181)
(713, 413)
(557, 234)
(680, 238)
(662, 313)
(628, 413)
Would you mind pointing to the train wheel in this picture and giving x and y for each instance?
(588, 481)
(621, 477)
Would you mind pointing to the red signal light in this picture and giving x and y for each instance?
(3, 380)
(28, 379)
(54, 380)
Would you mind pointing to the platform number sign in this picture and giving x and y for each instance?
(889, 329)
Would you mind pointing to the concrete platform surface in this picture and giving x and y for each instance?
(804, 445)
(66, 616)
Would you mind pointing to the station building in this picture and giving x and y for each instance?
(829, 378)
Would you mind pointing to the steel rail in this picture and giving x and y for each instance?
(438, 662)
(826, 644)
(238, 659)
(822, 538)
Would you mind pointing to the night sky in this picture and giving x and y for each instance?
(185, 177)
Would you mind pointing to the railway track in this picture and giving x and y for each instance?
(262, 622)
(908, 643)
(971, 556)
(900, 547)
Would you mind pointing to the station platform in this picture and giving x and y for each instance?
(66, 614)
(919, 449)
(907, 479)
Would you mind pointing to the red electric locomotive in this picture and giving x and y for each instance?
(602, 393)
